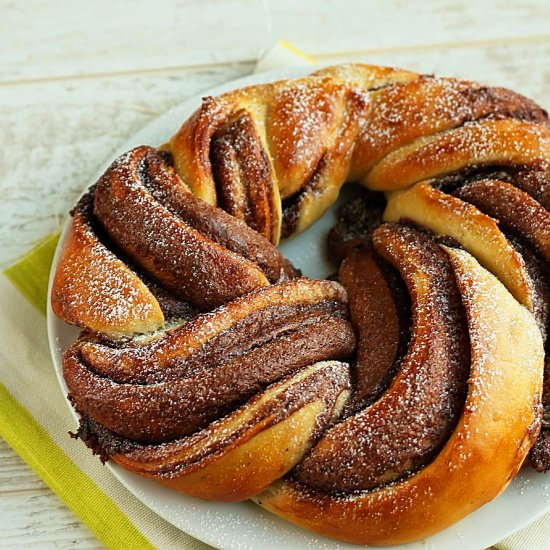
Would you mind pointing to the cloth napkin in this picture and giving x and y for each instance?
(35, 419)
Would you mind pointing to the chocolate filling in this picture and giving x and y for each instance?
(515, 210)
(226, 230)
(160, 391)
(242, 175)
(278, 402)
(407, 425)
(169, 252)
(380, 313)
(357, 219)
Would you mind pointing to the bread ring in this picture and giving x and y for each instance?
(209, 365)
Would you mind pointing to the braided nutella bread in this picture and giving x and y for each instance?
(207, 362)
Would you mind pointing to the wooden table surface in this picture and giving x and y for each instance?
(77, 78)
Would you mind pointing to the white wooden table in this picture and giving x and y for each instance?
(77, 78)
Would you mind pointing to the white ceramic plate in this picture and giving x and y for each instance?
(245, 525)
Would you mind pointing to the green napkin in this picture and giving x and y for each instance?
(30, 274)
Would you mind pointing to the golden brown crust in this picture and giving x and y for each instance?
(93, 288)
(367, 77)
(306, 129)
(478, 233)
(190, 147)
(507, 142)
(515, 210)
(427, 106)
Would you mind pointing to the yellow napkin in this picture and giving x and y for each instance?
(35, 419)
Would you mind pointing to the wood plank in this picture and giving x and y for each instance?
(56, 135)
(41, 39)
(41, 521)
(31, 512)
(103, 37)
(15, 475)
(377, 25)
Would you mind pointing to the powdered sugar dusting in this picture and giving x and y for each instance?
(93, 288)
(170, 388)
(423, 107)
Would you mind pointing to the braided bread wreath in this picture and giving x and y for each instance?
(379, 409)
